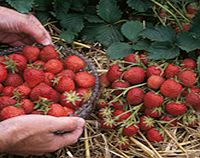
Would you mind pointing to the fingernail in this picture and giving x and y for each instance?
(46, 42)
(81, 122)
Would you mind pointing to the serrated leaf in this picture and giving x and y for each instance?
(143, 44)
(72, 22)
(68, 36)
(109, 11)
(188, 42)
(42, 16)
(194, 26)
(163, 50)
(93, 18)
(61, 8)
(42, 5)
(139, 5)
(159, 33)
(22, 6)
(78, 5)
(118, 50)
(89, 32)
(132, 29)
(108, 34)
(198, 66)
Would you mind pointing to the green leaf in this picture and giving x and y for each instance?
(22, 6)
(132, 29)
(42, 16)
(78, 5)
(61, 8)
(89, 32)
(109, 11)
(142, 44)
(159, 33)
(163, 50)
(198, 66)
(188, 42)
(42, 5)
(194, 26)
(68, 36)
(118, 50)
(93, 18)
(72, 22)
(107, 34)
(139, 5)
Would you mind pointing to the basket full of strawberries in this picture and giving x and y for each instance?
(46, 80)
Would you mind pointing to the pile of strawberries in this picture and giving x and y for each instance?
(38, 81)
(138, 94)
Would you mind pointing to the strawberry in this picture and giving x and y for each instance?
(27, 105)
(33, 76)
(85, 79)
(135, 96)
(186, 27)
(189, 63)
(10, 111)
(119, 104)
(130, 131)
(190, 120)
(70, 99)
(105, 112)
(144, 59)
(154, 112)
(2, 60)
(6, 101)
(8, 91)
(153, 70)
(169, 120)
(39, 64)
(64, 84)
(3, 73)
(193, 99)
(56, 110)
(114, 73)
(37, 112)
(54, 66)
(68, 111)
(84, 94)
(146, 123)
(171, 70)
(102, 103)
(191, 89)
(48, 52)
(48, 78)
(154, 82)
(152, 100)
(103, 79)
(13, 79)
(107, 123)
(134, 75)
(119, 84)
(74, 63)
(191, 9)
(31, 53)
(130, 58)
(170, 88)
(122, 143)
(154, 135)
(22, 91)
(66, 73)
(43, 90)
(175, 109)
(121, 115)
(1, 87)
(187, 77)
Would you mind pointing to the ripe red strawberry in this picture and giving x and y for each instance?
(39, 64)
(189, 63)
(68, 111)
(48, 78)
(169, 120)
(134, 75)
(171, 70)
(102, 103)
(114, 73)
(37, 112)
(13, 79)
(153, 70)
(135, 96)
(154, 82)
(43, 90)
(152, 100)
(74, 63)
(175, 109)
(84, 94)
(1, 87)
(10, 111)
(193, 99)
(130, 130)
(3, 73)
(31, 53)
(85, 79)
(16, 62)
(119, 104)
(27, 105)
(66, 73)
(2, 60)
(53, 65)
(186, 27)
(107, 123)
(8, 91)
(119, 84)
(64, 84)
(122, 143)
(22, 91)
(104, 82)
(6, 101)
(121, 115)
(70, 99)
(154, 112)
(131, 58)
(48, 52)
(146, 123)
(33, 76)
(171, 88)
(191, 9)
(154, 135)
(144, 59)
(187, 77)
(56, 110)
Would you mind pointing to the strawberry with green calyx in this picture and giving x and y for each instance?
(8, 91)
(31, 53)
(27, 105)
(152, 100)
(130, 130)
(84, 94)
(49, 78)
(153, 112)
(122, 143)
(114, 73)
(13, 79)
(3, 73)
(190, 120)
(105, 112)
(175, 109)
(54, 66)
(121, 115)
(154, 82)
(168, 120)
(62, 84)
(135, 96)
(153, 70)
(171, 70)
(155, 135)
(118, 85)
(11, 111)
(38, 64)
(102, 103)
(193, 100)
(85, 79)
(42, 104)
(131, 58)
(56, 110)
(190, 90)
(107, 123)
(103, 79)
(146, 123)
(189, 63)
(70, 99)
(48, 52)
(187, 77)
(21, 92)
(120, 104)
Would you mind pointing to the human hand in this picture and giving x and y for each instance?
(34, 134)
(21, 29)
